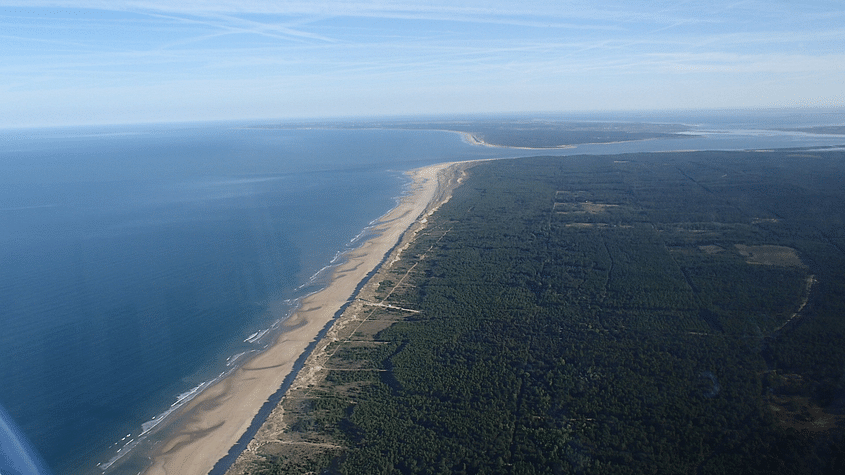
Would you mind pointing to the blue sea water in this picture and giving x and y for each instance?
(136, 262)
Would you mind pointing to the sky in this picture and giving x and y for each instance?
(112, 61)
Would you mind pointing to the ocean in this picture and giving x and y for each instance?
(140, 263)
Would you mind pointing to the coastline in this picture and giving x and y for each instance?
(204, 431)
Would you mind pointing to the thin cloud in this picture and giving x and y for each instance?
(540, 14)
(234, 25)
(343, 52)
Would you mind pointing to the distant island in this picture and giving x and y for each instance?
(655, 312)
(825, 129)
(530, 134)
(540, 134)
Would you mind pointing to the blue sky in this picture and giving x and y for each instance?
(109, 61)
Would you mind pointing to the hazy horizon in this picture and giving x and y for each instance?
(759, 118)
(145, 61)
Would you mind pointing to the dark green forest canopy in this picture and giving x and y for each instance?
(644, 313)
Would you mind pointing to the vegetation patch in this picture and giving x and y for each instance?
(770, 255)
(585, 207)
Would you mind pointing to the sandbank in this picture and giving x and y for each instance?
(206, 428)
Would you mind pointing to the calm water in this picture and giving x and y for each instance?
(137, 263)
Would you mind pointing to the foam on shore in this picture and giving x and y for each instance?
(204, 429)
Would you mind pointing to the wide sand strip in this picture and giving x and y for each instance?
(214, 421)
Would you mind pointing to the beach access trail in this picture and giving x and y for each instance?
(206, 428)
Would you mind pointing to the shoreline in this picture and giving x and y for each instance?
(204, 430)
(472, 139)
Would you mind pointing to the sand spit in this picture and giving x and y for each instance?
(206, 428)
(474, 139)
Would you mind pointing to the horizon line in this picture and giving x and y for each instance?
(441, 116)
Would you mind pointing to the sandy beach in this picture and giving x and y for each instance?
(206, 428)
